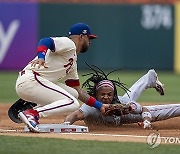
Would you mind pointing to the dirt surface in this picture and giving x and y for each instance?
(129, 132)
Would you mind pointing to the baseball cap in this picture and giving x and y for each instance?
(81, 28)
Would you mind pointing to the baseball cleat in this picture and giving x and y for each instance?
(158, 85)
(30, 117)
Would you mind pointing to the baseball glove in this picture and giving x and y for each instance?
(118, 109)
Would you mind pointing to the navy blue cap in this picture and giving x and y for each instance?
(81, 28)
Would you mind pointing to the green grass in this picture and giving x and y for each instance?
(28, 145)
(171, 81)
(7, 86)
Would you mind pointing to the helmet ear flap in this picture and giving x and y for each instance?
(18, 106)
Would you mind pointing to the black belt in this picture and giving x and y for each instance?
(22, 72)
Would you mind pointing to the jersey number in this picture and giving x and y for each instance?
(69, 65)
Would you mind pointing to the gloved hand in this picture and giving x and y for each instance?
(145, 124)
(118, 109)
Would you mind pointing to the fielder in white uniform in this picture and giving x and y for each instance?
(40, 81)
(142, 114)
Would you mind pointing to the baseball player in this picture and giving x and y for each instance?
(105, 92)
(41, 80)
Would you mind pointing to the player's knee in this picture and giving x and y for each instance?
(76, 104)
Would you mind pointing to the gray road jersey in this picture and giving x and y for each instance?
(93, 116)
(158, 112)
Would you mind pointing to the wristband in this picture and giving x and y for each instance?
(98, 105)
(41, 55)
(94, 103)
(146, 114)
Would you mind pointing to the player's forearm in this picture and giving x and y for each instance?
(146, 115)
(83, 96)
(71, 119)
(43, 46)
(89, 100)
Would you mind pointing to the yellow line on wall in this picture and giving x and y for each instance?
(177, 39)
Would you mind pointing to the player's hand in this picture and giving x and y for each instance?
(118, 109)
(66, 123)
(145, 124)
(40, 62)
(103, 108)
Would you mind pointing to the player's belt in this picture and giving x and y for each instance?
(23, 72)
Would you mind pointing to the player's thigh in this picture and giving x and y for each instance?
(162, 112)
(43, 92)
(70, 90)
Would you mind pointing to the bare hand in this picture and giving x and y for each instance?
(40, 62)
(104, 107)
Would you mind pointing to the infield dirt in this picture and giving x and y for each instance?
(124, 133)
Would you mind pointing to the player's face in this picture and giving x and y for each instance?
(105, 95)
(85, 43)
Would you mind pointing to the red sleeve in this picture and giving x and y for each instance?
(42, 48)
(72, 83)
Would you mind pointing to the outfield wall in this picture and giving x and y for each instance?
(18, 34)
(130, 36)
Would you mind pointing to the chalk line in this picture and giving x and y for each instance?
(88, 134)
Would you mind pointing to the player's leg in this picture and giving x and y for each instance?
(158, 113)
(149, 80)
(44, 92)
(52, 98)
(70, 90)
(163, 112)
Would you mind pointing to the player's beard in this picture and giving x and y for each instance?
(84, 48)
